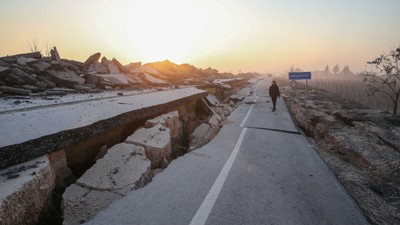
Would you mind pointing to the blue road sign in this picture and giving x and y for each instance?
(299, 75)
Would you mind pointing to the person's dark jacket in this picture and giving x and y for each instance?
(274, 91)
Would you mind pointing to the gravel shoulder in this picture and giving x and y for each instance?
(360, 145)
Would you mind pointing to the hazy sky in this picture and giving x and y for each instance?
(229, 35)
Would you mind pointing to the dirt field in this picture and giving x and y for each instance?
(360, 145)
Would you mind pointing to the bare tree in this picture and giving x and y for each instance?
(33, 45)
(384, 76)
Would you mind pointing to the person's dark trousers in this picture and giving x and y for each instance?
(274, 103)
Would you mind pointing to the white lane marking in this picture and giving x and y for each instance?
(257, 88)
(202, 213)
(248, 113)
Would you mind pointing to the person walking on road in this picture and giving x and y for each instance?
(274, 94)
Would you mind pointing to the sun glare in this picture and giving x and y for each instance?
(164, 29)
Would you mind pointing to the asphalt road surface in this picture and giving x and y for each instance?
(258, 170)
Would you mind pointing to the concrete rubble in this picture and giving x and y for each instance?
(25, 189)
(190, 123)
(45, 73)
(123, 168)
(156, 142)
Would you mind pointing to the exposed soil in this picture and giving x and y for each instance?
(360, 145)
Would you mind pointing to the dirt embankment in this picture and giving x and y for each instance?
(360, 145)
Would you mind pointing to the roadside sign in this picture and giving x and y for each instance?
(299, 75)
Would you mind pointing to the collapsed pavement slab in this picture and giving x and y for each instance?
(122, 169)
(156, 141)
(169, 120)
(24, 191)
(35, 132)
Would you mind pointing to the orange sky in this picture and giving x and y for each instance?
(229, 35)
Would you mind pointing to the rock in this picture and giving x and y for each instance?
(40, 66)
(132, 66)
(123, 168)
(4, 64)
(212, 100)
(27, 78)
(104, 61)
(60, 91)
(49, 83)
(65, 78)
(59, 165)
(97, 67)
(112, 67)
(92, 59)
(54, 55)
(133, 79)
(169, 120)
(23, 61)
(202, 135)
(237, 98)
(31, 88)
(244, 92)
(156, 141)
(115, 79)
(80, 204)
(120, 66)
(13, 58)
(15, 91)
(153, 80)
(215, 120)
(83, 88)
(25, 196)
(249, 100)
(145, 69)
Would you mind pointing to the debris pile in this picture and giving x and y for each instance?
(32, 74)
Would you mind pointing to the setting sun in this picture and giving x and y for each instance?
(167, 32)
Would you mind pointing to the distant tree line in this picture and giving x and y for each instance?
(336, 70)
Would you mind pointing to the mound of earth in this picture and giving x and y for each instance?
(360, 145)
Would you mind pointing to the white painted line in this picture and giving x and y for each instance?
(202, 213)
(258, 85)
(248, 113)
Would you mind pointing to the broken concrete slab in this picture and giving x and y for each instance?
(15, 91)
(27, 78)
(24, 60)
(133, 65)
(55, 56)
(153, 80)
(116, 79)
(65, 78)
(40, 66)
(80, 204)
(24, 191)
(212, 99)
(145, 69)
(156, 141)
(237, 98)
(32, 134)
(202, 135)
(97, 67)
(133, 79)
(244, 92)
(92, 59)
(120, 66)
(123, 168)
(119, 170)
(112, 67)
(169, 120)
